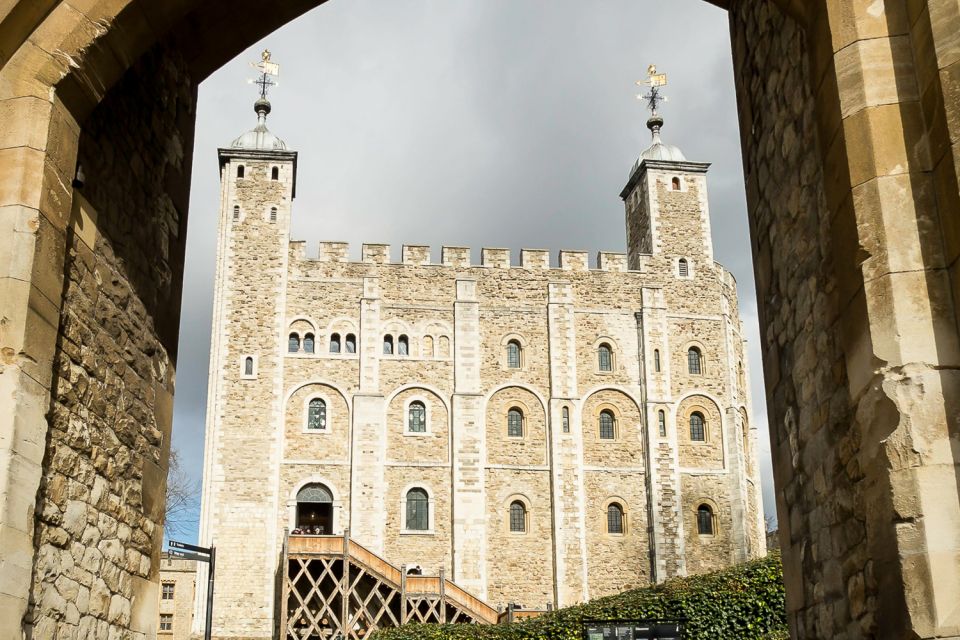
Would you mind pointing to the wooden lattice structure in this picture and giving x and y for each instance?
(334, 587)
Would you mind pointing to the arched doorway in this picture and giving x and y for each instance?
(849, 147)
(314, 513)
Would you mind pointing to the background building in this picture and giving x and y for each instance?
(539, 433)
(178, 580)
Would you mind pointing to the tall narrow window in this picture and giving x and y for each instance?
(417, 417)
(444, 343)
(426, 347)
(418, 510)
(656, 360)
(662, 422)
(694, 361)
(698, 432)
(705, 520)
(293, 343)
(513, 354)
(676, 184)
(275, 173)
(403, 346)
(566, 420)
(351, 343)
(515, 423)
(608, 430)
(334, 343)
(614, 518)
(240, 171)
(248, 366)
(605, 356)
(236, 212)
(683, 268)
(518, 517)
(308, 343)
(317, 415)
(388, 345)
(273, 214)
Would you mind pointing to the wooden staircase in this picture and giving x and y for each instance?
(334, 588)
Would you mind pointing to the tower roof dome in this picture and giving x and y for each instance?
(260, 138)
(657, 149)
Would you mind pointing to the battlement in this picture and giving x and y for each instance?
(459, 257)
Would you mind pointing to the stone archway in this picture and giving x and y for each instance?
(850, 126)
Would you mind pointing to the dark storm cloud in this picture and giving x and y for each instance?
(506, 123)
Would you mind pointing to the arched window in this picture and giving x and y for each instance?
(515, 423)
(334, 343)
(388, 345)
(275, 173)
(513, 354)
(315, 509)
(417, 417)
(694, 361)
(605, 357)
(705, 520)
(698, 432)
(236, 212)
(273, 214)
(418, 510)
(308, 343)
(614, 518)
(656, 360)
(518, 517)
(293, 344)
(403, 346)
(240, 171)
(317, 414)
(248, 366)
(566, 420)
(662, 422)
(683, 268)
(676, 184)
(351, 343)
(608, 429)
(444, 347)
(427, 347)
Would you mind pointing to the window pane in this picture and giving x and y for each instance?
(607, 431)
(518, 517)
(566, 420)
(656, 360)
(403, 346)
(513, 355)
(388, 345)
(317, 414)
(697, 431)
(515, 423)
(614, 519)
(418, 418)
(684, 269)
(418, 510)
(605, 359)
(351, 343)
(662, 422)
(293, 344)
(335, 343)
(694, 361)
(248, 367)
(308, 343)
(705, 520)
(167, 591)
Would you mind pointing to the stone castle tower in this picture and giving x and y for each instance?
(538, 433)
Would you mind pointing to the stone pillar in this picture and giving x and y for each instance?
(368, 484)
(469, 445)
(663, 481)
(566, 449)
(38, 152)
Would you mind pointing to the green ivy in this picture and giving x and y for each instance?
(745, 602)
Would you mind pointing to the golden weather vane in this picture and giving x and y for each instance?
(267, 68)
(654, 81)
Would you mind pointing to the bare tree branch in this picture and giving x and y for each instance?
(182, 494)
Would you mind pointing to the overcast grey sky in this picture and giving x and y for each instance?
(502, 123)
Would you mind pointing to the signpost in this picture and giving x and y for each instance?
(201, 554)
(632, 630)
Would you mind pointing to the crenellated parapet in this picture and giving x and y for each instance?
(460, 257)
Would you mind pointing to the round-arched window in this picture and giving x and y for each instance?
(698, 431)
(614, 518)
(418, 510)
(518, 517)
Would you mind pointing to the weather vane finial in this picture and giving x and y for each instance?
(654, 81)
(266, 69)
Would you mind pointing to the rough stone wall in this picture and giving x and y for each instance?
(708, 454)
(101, 500)
(504, 449)
(707, 552)
(814, 446)
(182, 574)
